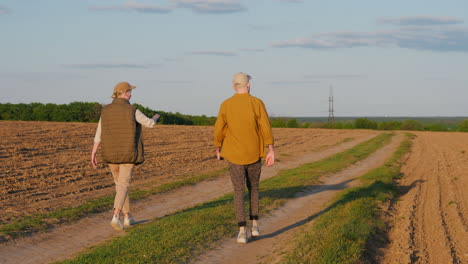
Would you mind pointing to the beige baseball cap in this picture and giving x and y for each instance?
(240, 80)
(121, 88)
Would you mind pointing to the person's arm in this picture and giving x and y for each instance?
(97, 142)
(93, 154)
(219, 132)
(97, 136)
(270, 157)
(267, 135)
(146, 121)
(264, 125)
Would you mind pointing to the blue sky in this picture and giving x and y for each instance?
(394, 58)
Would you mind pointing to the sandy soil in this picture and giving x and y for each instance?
(429, 222)
(279, 229)
(46, 165)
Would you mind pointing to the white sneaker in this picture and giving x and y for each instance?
(128, 221)
(255, 231)
(116, 223)
(242, 236)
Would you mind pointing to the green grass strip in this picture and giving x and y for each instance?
(179, 237)
(42, 222)
(341, 233)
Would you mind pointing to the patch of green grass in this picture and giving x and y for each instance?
(335, 144)
(179, 237)
(341, 232)
(42, 222)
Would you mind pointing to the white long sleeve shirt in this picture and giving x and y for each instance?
(140, 118)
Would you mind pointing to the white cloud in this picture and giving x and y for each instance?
(335, 40)
(252, 50)
(436, 34)
(259, 27)
(292, 1)
(134, 6)
(173, 82)
(40, 76)
(420, 21)
(169, 59)
(211, 6)
(285, 83)
(333, 76)
(4, 10)
(213, 53)
(111, 66)
(198, 6)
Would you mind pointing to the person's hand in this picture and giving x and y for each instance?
(94, 160)
(270, 158)
(156, 117)
(218, 153)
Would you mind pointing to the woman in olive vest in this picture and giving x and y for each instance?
(119, 135)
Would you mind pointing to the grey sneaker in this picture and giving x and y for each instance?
(116, 223)
(242, 237)
(128, 221)
(255, 231)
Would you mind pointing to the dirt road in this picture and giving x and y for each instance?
(287, 222)
(430, 219)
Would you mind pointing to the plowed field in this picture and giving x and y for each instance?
(46, 165)
(430, 220)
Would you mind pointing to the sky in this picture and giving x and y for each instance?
(380, 58)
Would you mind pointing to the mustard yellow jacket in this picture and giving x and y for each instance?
(242, 129)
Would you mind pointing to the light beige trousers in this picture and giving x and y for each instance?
(122, 174)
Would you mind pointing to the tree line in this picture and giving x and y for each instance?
(88, 112)
(73, 112)
(91, 111)
(364, 123)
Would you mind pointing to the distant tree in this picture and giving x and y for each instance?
(389, 125)
(203, 120)
(411, 125)
(95, 112)
(436, 127)
(463, 126)
(58, 112)
(4, 112)
(292, 123)
(317, 125)
(348, 125)
(23, 112)
(278, 122)
(88, 112)
(364, 123)
(39, 112)
(333, 125)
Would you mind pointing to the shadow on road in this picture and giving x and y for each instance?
(370, 191)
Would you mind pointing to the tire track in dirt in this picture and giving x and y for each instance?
(284, 224)
(429, 220)
(66, 241)
(444, 218)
